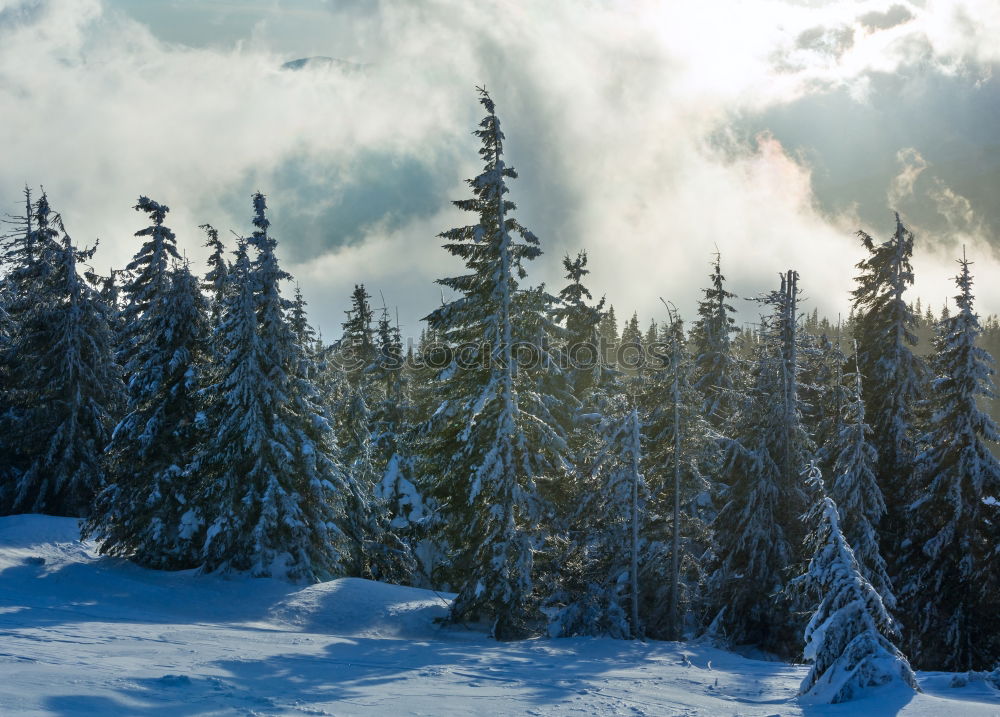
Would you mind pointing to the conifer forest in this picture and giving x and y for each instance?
(808, 487)
(312, 403)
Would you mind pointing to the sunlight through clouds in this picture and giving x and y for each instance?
(627, 122)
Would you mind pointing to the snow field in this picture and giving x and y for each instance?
(87, 635)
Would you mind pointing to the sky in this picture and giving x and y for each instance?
(650, 134)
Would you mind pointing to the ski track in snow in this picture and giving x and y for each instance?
(87, 635)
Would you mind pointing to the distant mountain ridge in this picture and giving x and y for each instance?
(322, 62)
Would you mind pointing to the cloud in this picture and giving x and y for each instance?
(956, 209)
(884, 20)
(623, 120)
(831, 41)
(912, 165)
(945, 225)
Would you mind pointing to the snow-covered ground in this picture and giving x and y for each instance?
(83, 635)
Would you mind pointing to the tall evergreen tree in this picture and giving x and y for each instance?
(65, 406)
(711, 343)
(892, 375)
(854, 488)
(356, 353)
(758, 531)
(218, 273)
(588, 380)
(583, 328)
(26, 298)
(138, 514)
(752, 548)
(492, 435)
(377, 552)
(826, 395)
(400, 506)
(793, 449)
(848, 636)
(387, 370)
(271, 489)
(631, 356)
(682, 453)
(358, 342)
(609, 337)
(600, 591)
(951, 568)
(148, 279)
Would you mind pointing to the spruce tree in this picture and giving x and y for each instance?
(492, 434)
(682, 453)
(711, 343)
(826, 395)
(609, 338)
(139, 513)
(600, 590)
(631, 356)
(27, 295)
(793, 447)
(848, 635)
(752, 548)
(216, 278)
(892, 375)
(758, 531)
(377, 552)
(582, 323)
(65, 405)
(399, 504)
(854, 488)
(572, 570)
(358, 342)
(951, 567)
(587, 380)
(148, 279)
(270, 487)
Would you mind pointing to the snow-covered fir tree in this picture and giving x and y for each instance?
(216, 280)
(854, 488)
(651, 337)
(491, 436)
(402, 505)
(792, 447)
(826, 394)
(892, 375)
(138, 514)
(566, 569)
(358, 342)
(716, 370)
(752, 549)
(600, 590)
(582, 323)
(377, 552)
(848, 636)
(587, 378)
(27, 256)
(110, 293)
(147, 282)
(356, 352)
(69, 388)
(305, 334)
(683, 452)
(609, 337)
(270, 486)
(630, 354)
(758, 532)
(950, 574)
